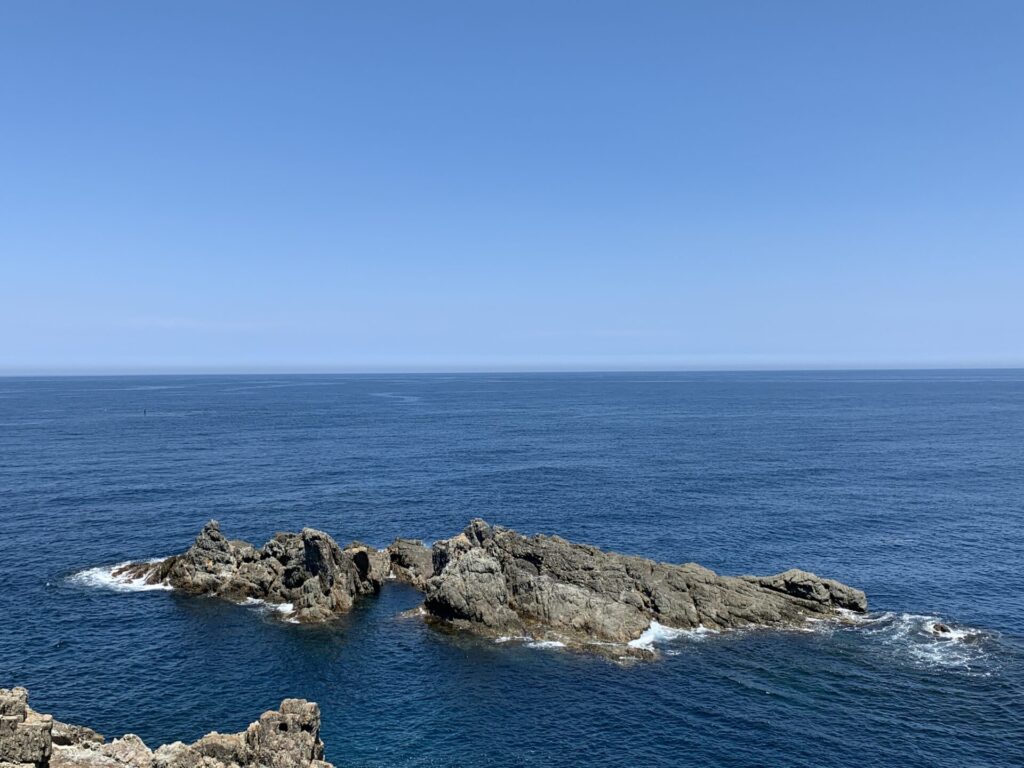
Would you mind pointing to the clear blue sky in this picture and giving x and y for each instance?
(441, 185)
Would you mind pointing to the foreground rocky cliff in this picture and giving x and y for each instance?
(495, 581)
(288, 737)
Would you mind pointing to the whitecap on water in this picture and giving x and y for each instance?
(917, 636)
(103, 578)
(529, 642)
(285, 609)
(545, 644)
(922, 639)
(658, 634)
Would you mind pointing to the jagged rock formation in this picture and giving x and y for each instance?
(25, 736)
(285, 738)
(495, 581)
(411, 562)
(306, 573)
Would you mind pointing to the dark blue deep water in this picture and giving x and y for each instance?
(908, 485)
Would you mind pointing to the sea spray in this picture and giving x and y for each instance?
(658, 634)
(104, 577)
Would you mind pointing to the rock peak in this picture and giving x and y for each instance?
(307, 571)
(288, 737)
(479, 530)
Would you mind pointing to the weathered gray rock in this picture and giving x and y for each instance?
(24, 734)
(495, 581)
(307, 571)
(379, 560)
(129, 751)
(827, 593)
(492, 580)
(411, 562)
(64, 734)
(288, 737)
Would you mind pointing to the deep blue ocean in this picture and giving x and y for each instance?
(909, 485)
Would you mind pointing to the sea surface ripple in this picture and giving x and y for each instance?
(909, 485)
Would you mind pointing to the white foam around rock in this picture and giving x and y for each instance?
(103, 578)
(659, 633)
(545, 644)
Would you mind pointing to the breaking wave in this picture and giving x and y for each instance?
(285, 610)
(659, 634)
(930, 641)
(545, 644)
(655, 635)
(922, 639)
(512, 638)
(529, 642)
(103, 577)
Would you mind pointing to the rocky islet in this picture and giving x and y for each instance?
(493, 581)
(306, 573)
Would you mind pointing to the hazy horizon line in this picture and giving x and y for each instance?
(128, 371)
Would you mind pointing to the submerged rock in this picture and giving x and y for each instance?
(307, 572)
(288, 737)
(497, 582)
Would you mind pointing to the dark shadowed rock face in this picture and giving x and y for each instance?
(307, 571)
(411, 562)
(285, 738)
(496, 581)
